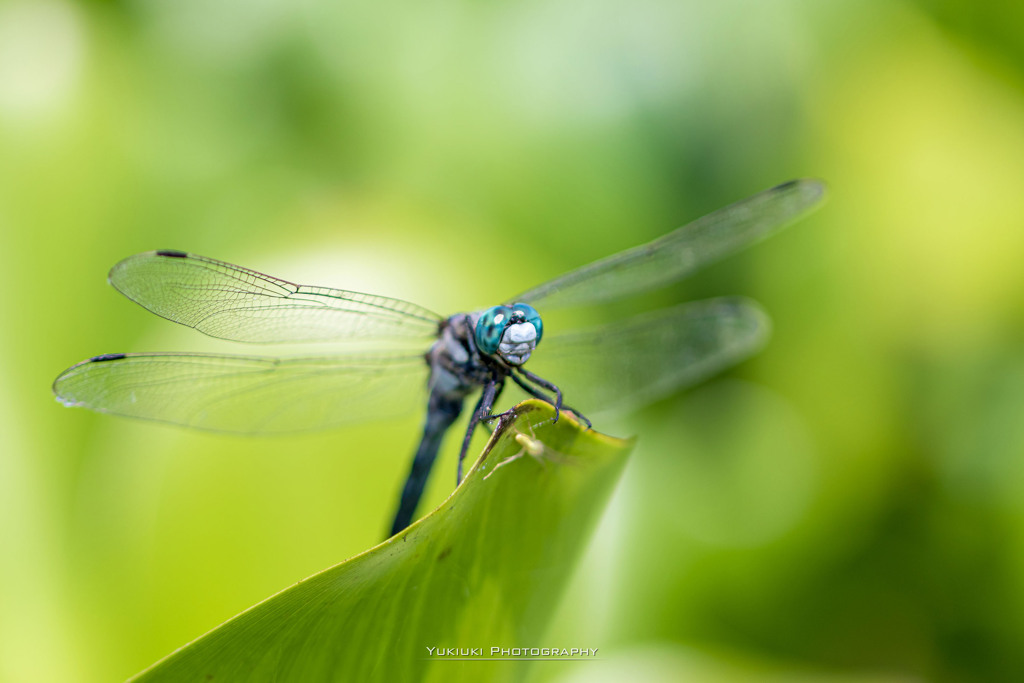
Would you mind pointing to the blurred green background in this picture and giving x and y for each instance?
(846, 506)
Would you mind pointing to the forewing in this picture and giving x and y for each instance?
(649, 356)
(231, 302)
(675, 255)
(246, 394)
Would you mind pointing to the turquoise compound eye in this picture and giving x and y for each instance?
(532, 316)
(491, 326)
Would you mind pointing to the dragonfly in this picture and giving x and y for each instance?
(618, 364)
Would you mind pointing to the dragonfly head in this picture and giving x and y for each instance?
(509, 332)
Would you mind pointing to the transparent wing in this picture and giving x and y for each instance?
(231, 302)
(246, 394)
(680, 252)
(649, 356)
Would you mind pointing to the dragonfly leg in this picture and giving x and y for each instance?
(547, 385)
(442, 411)
(482, 411)
(532, 391)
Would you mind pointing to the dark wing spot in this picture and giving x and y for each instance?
(106, 356)
(172, 253)
(444, 553)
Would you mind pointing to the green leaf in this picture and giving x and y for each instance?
(484, 569)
